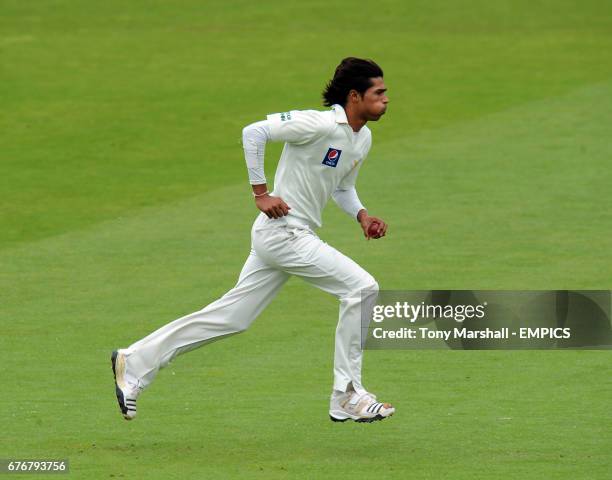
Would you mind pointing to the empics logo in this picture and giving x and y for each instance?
(331, 157)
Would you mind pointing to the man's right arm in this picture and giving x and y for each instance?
(297, 127)
(254, 139)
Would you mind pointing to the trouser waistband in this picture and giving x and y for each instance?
(287, 220)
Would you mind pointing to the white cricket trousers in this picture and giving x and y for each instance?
(278, 250)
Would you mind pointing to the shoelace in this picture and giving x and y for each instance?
(135, 390)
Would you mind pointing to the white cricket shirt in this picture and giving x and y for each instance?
(321, 154)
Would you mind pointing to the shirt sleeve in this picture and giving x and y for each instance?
(348, 201)
(345, 194)
(299, 126)
(254, 138)
(350, 179)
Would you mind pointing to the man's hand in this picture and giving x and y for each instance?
(273, 207)
(373, 227)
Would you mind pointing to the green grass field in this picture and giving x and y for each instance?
(126, 204)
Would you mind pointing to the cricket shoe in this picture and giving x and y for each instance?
(126, 392)
(358, 407)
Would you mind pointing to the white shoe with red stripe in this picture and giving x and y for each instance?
(358, 407)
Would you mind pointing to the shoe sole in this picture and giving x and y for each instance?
(377, 418)
(118, 391)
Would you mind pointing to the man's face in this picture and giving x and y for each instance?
(374, 102)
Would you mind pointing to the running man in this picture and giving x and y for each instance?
(323, 153)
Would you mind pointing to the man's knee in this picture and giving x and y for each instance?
(371, 285)
(366, 287)
(238, 324)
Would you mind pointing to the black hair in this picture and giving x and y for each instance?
(352, 74)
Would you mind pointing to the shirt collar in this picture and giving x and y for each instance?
(340, 114)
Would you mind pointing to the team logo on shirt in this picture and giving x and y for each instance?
(331, 157)
(285, 116)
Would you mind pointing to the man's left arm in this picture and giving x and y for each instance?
(347, 199)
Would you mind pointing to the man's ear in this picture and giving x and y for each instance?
(354, 96)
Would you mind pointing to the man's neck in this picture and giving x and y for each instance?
(354, 120)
